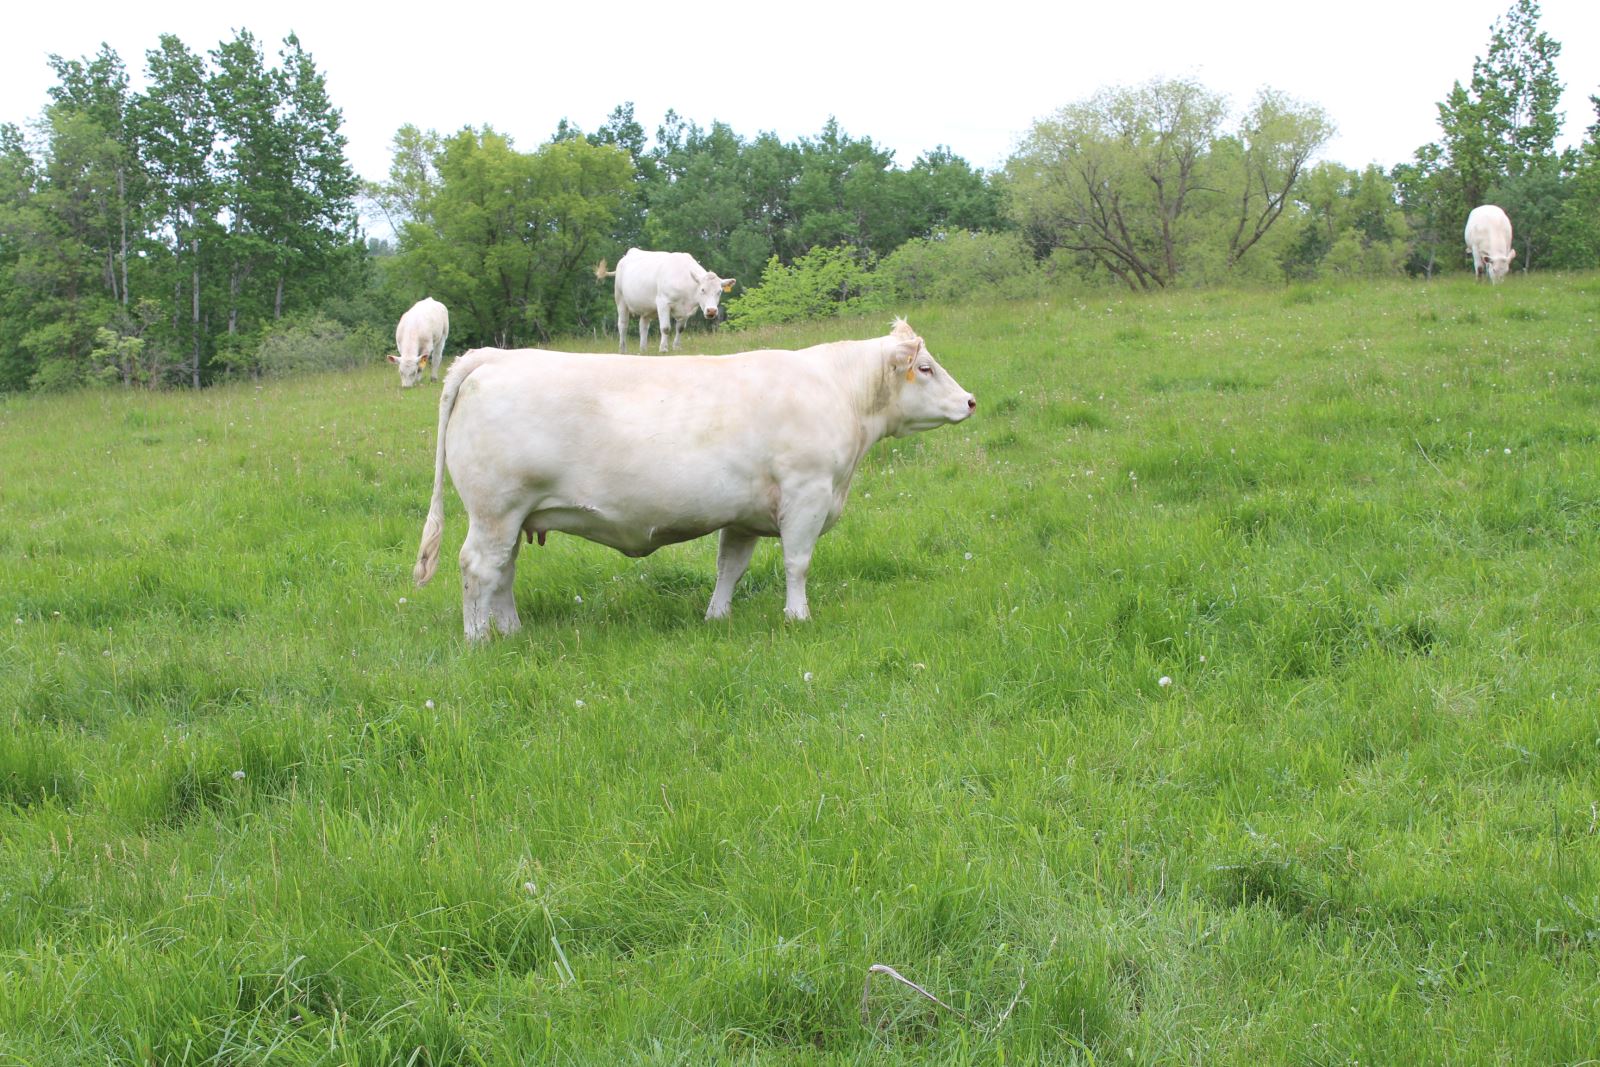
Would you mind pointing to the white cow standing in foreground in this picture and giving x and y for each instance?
(636, 452)
(1489, 241)
(665, 286)
(420, 338)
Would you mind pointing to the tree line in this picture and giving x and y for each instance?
(148, 237)
(1154, 187)
(209, 225)
(502, 234)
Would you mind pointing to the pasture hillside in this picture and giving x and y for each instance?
(1224, 692)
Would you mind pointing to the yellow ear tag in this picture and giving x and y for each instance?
(911, 373)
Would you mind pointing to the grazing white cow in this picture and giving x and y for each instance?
(665, 286)
(636, 453)
(1489, 242)
(420, 338)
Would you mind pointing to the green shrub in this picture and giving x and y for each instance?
(294, 346)
(823, 282)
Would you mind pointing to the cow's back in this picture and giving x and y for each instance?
(1488, 230)
(423, 326)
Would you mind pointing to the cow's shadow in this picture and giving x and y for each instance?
(663, 597)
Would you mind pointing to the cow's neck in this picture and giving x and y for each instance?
(864, 368)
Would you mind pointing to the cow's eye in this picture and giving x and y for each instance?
(926, 368)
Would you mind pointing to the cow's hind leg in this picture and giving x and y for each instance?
(622, 330)
(644, 333)
(488, 579)
(733, 559)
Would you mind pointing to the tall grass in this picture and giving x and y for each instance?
(1224, 692)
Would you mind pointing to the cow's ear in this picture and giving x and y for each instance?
(392, 358)
(1512, 256)
(902, 328)
(727, 284)
(903, 355)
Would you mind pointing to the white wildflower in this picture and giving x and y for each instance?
(1164, 681)
(238, 776)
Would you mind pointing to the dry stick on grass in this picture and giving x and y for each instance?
(882, 968)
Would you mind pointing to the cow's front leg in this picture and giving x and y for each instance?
(799, 527)
(733, 559)
(664, 313)
(488, 579)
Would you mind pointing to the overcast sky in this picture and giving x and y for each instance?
(910, 76)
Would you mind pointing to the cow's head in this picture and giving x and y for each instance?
(1498, 267)
(708, 290)
(924, 393)
(411, 368)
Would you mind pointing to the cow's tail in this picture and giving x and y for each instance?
(600, 272)
(433, 529)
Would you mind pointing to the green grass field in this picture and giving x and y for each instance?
(260, 804)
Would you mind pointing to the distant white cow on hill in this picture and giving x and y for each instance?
(1489, 241)
(665, 286)
(420, 338)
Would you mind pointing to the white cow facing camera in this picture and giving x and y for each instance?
(668, 287)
